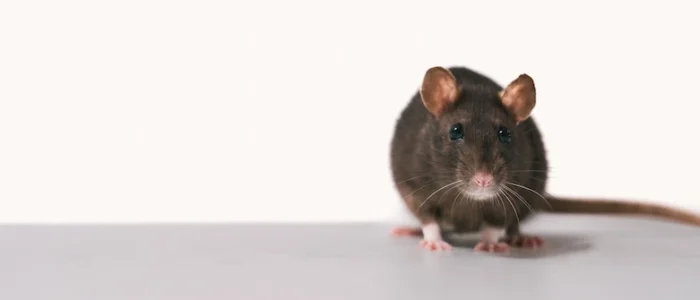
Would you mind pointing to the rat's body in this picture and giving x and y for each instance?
(467, 157)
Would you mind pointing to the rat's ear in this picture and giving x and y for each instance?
(439, 90)
(519, 97)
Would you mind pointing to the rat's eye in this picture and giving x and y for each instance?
(504, 135)
(456, 132)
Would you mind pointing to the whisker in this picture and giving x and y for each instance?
(538, 179)
(452, 209)
(515, 211)
(445, 186)
(426, 175)
(448, 191)
(529, 189)
(519, 197)
(501, 203)
(418, 189)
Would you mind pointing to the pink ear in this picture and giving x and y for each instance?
(439, 90)
(519, 97)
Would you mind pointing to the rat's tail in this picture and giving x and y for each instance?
(618, 207)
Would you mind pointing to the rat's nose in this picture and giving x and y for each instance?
(483, 179)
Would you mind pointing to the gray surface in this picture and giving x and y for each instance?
(586, 258)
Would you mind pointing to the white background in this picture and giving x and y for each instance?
(201, 111)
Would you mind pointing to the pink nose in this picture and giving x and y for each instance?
(483, 179)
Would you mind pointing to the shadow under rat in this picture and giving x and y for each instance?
(554, 245)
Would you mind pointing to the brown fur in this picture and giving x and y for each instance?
(424, 160)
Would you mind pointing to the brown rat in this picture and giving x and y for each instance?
(467, 157)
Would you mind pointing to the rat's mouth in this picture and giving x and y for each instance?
(481, 193)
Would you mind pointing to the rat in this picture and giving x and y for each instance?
(468, 157)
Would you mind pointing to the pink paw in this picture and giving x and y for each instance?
(492, 247)
(406, 231)
(524, 241)
(433, 245)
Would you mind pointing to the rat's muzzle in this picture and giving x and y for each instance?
(481, 186)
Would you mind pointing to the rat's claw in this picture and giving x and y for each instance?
(434, 245)
(499, 247)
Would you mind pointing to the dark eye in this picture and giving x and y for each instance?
(504, 135)
(456, 132)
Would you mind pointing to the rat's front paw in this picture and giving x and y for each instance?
(524, 241)
(435, 245)
(499, 247)
(406, 231)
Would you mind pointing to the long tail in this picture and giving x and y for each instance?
(618, 207)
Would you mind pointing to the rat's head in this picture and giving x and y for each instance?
(473, 135)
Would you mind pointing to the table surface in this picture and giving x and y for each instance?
(584, 258)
